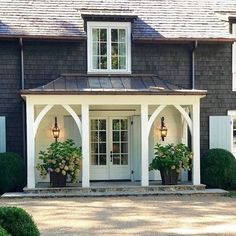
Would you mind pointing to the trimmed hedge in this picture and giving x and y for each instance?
(218, 169)
(12, 172)
(17, 222)
(3, 232)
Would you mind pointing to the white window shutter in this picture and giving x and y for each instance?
(2, 134)
(220, 132)
(234, 58)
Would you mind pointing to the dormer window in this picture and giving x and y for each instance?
(109, 47)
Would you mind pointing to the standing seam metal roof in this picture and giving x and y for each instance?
(115, 84)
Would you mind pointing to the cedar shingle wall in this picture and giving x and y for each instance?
(170, 62)
(10, 101)
(44, 61)
(214, 73)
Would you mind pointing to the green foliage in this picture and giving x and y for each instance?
(171, 157)
(12, 172)
(61, 157)
(218, 169)
(232, 194)
(17, 222)
(3, 232)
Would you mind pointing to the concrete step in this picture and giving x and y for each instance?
(205, 192)
(124, 189)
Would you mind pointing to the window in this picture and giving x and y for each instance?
(109, 47)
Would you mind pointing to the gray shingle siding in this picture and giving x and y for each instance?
(45, 61)
(214, 73)
(10, 100)
(171, 62)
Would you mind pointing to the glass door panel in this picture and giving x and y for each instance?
(119, 154)
(98, 142)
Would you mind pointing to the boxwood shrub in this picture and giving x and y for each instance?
(3, 232)
(218, 169)
(12, 172)
(17, 222)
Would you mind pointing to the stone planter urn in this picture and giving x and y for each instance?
(57, 180)
(169, 177)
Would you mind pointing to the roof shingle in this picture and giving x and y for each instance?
(156, 19)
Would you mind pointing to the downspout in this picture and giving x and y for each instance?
(193, 64)
(23, 103)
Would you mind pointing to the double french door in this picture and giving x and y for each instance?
(109, 149)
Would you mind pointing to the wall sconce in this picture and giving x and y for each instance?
(56, 130)
(163, 129)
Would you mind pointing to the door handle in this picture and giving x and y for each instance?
(111, 155)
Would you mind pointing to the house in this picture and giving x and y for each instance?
(109, 71)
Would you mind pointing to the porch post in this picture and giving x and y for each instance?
(85, 145)
(144, 145)
(30, 145)
(196, 143)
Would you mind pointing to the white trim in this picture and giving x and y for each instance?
(113, 99)
(196, 144)
(30, 145)
(85, 145)
(108, 26)
(145, 146)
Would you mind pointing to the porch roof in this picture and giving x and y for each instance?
(111, 84)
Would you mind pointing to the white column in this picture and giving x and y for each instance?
(85, 145)
(196, 143)
(30, 145)
(144, 147)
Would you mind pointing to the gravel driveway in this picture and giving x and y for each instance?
(184, 215)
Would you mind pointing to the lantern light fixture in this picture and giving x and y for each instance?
(56, 130)
(163, 129)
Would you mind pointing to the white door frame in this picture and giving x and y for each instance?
(111, 166)
(106, 169)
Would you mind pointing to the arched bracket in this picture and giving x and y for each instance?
(75, 117)
(42, 113)
(161, 107)
(47, 108)
(186, 117)
(154, 116)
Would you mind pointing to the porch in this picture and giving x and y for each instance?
(116, 128)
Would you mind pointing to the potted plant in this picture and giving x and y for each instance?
(60, 160)
(169, 160)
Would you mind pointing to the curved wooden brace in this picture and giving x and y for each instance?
(154, 116)
(42, 113)
(186, 116)
(75, 117)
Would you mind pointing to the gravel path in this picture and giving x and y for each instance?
(183, 215)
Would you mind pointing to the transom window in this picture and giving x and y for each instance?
(109, 47)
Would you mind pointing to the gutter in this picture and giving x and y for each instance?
(193, 65)
(23, 102)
